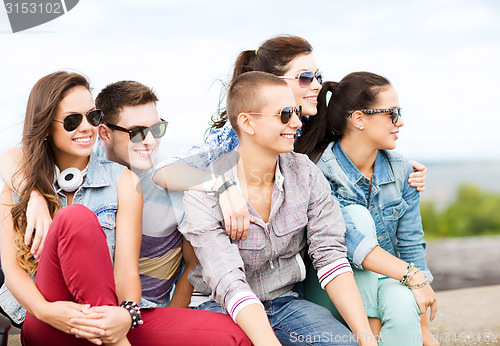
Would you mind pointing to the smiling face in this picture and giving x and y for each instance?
(70, 147)
(379, 129)
(269, 132)
(119, 148)
(307, 96)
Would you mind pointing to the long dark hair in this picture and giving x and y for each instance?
(355, 91)
(273, 56)
(38, 162)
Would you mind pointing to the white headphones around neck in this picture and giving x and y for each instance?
(70, 179)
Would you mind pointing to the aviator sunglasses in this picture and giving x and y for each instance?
(395, 112)
(306, 77)
(285, 113)
(139, 133)
(72, 121)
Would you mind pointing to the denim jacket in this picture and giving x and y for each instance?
(98, 193)
(393, 204)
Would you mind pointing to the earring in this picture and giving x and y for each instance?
(361, 127)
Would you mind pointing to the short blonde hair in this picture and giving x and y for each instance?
(245, 94)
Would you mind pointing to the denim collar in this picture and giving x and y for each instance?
(382, 172)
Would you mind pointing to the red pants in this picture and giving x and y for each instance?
(75, 266)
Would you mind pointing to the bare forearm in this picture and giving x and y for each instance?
(183, 288)
(18, 281)
(128, 238)
(345, 295)
(253, 320)
(382, 262)
(128, 287)
(183, 291)
(23, 288)
(180, 177)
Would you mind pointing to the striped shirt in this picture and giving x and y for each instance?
(269, 262)
(161, 248)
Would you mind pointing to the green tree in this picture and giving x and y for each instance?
(473, 212)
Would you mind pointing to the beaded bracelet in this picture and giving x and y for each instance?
(420, 285)
(412, 274)
(134, 311)
(406, 277)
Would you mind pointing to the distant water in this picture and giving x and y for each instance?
(443, 179)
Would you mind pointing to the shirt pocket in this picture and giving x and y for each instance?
(107, 218)
(252, 249)
(106, 215)
(290, 224)
(289, 234)
(391, 214)
(290, 219)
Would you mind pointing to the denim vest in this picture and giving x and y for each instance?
(393, 203)
(98, 193)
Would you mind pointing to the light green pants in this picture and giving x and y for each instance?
(383, 298)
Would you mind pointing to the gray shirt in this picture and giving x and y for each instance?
(268, 263)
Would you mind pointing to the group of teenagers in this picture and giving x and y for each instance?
(295, 223)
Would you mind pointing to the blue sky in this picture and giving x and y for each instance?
(442, 57)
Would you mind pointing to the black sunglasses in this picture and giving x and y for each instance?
(72, 121)
(306, 77)
(139, 133)
(285, 113)
(395, 112)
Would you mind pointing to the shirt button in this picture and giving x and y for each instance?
(361, 181)
(394, 212)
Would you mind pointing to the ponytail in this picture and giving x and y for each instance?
(357, 90)
(244, 63)
(316, 133)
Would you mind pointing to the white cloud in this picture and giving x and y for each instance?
(442, 56)
(462, 20)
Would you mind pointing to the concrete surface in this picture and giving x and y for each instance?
(464, 262)
(469, 316)
(466, 316)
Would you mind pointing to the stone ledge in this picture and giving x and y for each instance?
(469, 316)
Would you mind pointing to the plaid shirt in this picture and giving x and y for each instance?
(268, 263)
